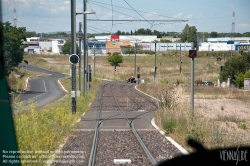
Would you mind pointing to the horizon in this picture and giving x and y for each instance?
(54, 15)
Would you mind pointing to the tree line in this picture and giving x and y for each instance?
(142, 31)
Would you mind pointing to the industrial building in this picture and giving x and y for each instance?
(116, 43)
(226, 44)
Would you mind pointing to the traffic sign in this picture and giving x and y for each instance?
(74, 59)
(192, 54)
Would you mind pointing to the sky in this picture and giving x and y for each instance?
(43, 16)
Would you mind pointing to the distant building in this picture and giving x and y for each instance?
(36, 45)
(226, 44)
(171, 38)
(57, 45)
(129, 38)
(33, 45)
(165, 46)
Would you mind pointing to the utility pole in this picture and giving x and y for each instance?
(94, 59)
(73, 51)
(135, 60)
(209, 57)
(192, 55)
(80, 55)
(155, 64)
(180, 58)
(85, 47)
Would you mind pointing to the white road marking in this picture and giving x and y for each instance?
(44, 86)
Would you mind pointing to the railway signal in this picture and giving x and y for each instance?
(192, 54)
(73, 59)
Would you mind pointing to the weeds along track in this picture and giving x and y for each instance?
(118, 143)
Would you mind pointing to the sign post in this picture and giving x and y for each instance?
(246, 83)
(73, 59)
(192, 55)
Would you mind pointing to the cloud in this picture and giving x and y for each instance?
(178, 15)
(243, 26)
(189, 16)
(66, 2)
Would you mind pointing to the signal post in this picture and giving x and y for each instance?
(192, 55)
(73, 59)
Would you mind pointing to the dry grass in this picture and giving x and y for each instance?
(225, 128)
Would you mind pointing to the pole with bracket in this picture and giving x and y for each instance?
(80, 55)
(180, 58)
(73, 51)
(155, 64)
(135, 60)
(94, 59)
(85, 47)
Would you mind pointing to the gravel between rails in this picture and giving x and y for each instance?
(160, 148)
(119, 145)
(76, 151)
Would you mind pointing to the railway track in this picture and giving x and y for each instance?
(119, 128)
(127, 143)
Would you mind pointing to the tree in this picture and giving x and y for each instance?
(115, 59)
(239, 80)
(31, 34)
(184, 34)
(214, 34)
(140, 31)
(13, 47)
(118, 32)
(235, 66)
(66, 48)
(189, 34)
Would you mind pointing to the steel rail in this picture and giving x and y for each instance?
(99, 122)
(151, 158)
(95, 139)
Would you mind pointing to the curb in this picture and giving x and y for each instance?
(183, 151)
(26, 85)
(62, 86)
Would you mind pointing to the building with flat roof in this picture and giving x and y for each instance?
(226, 44)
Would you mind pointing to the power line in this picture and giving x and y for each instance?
(116, 11)
(138, 20)
(137, 12)
(92, 9)
(112, 18)
(132, 9)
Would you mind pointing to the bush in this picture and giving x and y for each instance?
(239, 81)
(169, 126)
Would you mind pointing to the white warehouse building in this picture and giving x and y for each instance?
(226, 44)
(57, 45)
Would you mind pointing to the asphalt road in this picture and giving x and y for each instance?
(41, 90)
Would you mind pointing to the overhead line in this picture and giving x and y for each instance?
(132, 9)
(116, 11)
(138, 20)
(112, 18)
(137, 12)
(92, 9)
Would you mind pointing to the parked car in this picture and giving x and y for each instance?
(208, 83)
